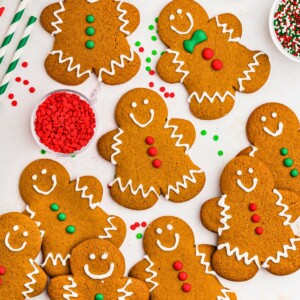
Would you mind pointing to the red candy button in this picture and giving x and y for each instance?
(186, 287)
(217, 65)
(2, 270)
(149, 140)
(259, 230)
(207, 53)
(255, 218)
(152, 151)
(182, 276)
(252, 207)
(178, 265)
(156, 163)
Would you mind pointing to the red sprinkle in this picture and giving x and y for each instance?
(132, 227)
(18, 79)
(255, 218)
(149, 140)
(32, 90)
(259, 230)
(217, 65)
(207, 53)
(26, 82)
(151, 84)
(137, 224)
(2, 270)
(167, 95)
(25, 64)
(151, 72)
(141, 49)
(252, 207)
(182, 276)
(186, 287)
(156, 163)
(172, 95)
(152, 151)
(162, 89)
(14, 103)
(178, 265)
(11, 96)
(144, 224)
(2, 11)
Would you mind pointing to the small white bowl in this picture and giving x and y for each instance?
(273, 34)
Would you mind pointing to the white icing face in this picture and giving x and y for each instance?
(13, 248)
(242, 186)
(135, 121)
(160, 231)
(102, 276)
(50, 190)
(188, 16)
(270, 132)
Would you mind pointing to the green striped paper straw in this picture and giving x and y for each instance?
(15, 60)
(12, 28)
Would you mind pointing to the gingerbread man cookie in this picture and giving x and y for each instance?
(175, 268)
(254, 222)
(20, 277)
(273, 131)
(149, 151)
(66, 212)
(206, 56)
(97, 273)
(90, 37)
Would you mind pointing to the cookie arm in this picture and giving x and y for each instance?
(211, 214)
(106, 143)
(247, 151)
(134, 288)
(61, 287)
(230, 25)
(292, 200)
(48, 17)
(128, 13)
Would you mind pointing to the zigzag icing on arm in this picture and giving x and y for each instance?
(248, 71)
(183, 183)
(54, 260)
(121, 18)
(179, 137)
(68, 288)
(123, 290)
(31, 281)
(114, 64)
(84, 196)
(32, 215)
(58, 18)
(254, 149)
(215, 96)
(153, 273)
(225, 216)
(180, 64)
(108, 229)
(70, 60)
(225, 296)
(225, 30)
(134, 191)
(285, 208)
(204, 263)
(115, 146)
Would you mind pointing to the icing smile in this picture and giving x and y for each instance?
(191, 20)
(168, 249)
(142, 125)
(8, 245)
(277, 132)
(54, 181)
(99, 276)
(248, 190)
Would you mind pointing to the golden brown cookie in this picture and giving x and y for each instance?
(206, 56)
(150, 153)
(20, 277)
(174, 267)
(97, 273)
(67, 212)
(90, 37)
(254, 222)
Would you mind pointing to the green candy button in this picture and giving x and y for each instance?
(54, 207)
(90, 18)
(294, 173)
(90, 44)
(288, 162)
(61, 217)
(90, 31)
(70, 229)
(284, 151)
(99, 297)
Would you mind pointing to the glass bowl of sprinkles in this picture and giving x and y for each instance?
(284, 26)
(64, 123)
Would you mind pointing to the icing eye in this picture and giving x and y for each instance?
(239, 172)
(172, 17)
(146, 101)
(104, 255)
(25, 233)
(179, 11)
(16, 228)
(92, 256)
(34, 177)
(250, 170)
(274, 115)
(169, 227)
(133, 104)
(44, 171)
(159, 231)
(263, 118)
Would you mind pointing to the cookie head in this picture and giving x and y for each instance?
(20, 234)
(166, 235)
(245, 174)
(179, 20)
(141, 108)
(97, 259)
(271, 121)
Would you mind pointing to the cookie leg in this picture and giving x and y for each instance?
(230, 268)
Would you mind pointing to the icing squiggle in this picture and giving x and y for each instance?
(285, 208)
(121, 17)
(123, 290)
(179, 137)
(58, 257)
(115, 146)
(180, 63)
(254, 149)
(225, 296)
(58, 18)
(32, 215)
(108, 229)
(134, 191)
(223, 213)
(183, 184)
(225, 30)
(68, 288)
(84, 196)
(153, 273)
(31, 278)
(70, 60)
(215, 96)
(250, 70)
(204, 263)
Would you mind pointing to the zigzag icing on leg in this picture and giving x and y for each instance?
(108, 229)
(204, 263)
(285, 208)
(182, 184)
(180, 63)
(32, 281)
(223, 213)
(69, 288)
(55, 259)
(176, 136)
(134, 191)
(215, 96)
(114, 64)
(115, 146)
(225, 296)
(32, 215)
(58, 18)
(225, 30)
(153, 273)
(121, 17)
(249, 70)
(70, 62)
(123, 290)
(84, 196)
(254, 149)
